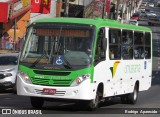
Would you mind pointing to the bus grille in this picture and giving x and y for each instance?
(51, 73)
(51, 82)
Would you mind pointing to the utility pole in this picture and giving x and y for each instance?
(15, 27)
(117, 9)
(104, 10)
(123, 10)
(66, 9)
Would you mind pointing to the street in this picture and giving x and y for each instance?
(147, 99)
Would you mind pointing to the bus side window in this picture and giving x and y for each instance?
(138, 45)
(127, 44)
(100, 51)
(114, 44)
(147, 45)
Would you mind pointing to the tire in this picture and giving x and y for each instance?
(130, 98)
(37, 102)
(94, 103)
(15, 89)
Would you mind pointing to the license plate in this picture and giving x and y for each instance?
(49, 91)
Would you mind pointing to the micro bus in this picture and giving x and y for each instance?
(85, 61)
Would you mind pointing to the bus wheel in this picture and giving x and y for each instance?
(94, 103)
(132, 97)
(37, 102)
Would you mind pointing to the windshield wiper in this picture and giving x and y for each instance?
(68, 65)
(37, 61)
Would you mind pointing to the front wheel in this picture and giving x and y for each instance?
(90, 105)
(37, 102)
(94, 103)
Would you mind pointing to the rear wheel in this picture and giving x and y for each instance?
(130, 98)
(37, 102)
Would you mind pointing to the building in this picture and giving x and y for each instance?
(15, 15)
(43, 8)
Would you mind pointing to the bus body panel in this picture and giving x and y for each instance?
(84, 91)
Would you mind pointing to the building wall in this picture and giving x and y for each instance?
(22, 22)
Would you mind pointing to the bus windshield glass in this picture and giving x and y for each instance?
(58, 46)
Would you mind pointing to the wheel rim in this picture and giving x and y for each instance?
(95, 102)
(135, 94)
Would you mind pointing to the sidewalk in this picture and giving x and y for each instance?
(7, 51)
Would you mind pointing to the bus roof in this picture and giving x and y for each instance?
(98, 22)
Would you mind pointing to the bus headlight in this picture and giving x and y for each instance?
(25, 77)
(80, 79)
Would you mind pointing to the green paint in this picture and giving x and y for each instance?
(50, 80)
(98, 22)
(132, 68)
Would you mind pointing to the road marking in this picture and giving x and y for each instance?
(6, 94)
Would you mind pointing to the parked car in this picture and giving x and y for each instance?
(151, 14)
(144, 4)
(135, 16)
(8, 70)
(133, 22)
(151, 4)
(154, 21)
(142, 10)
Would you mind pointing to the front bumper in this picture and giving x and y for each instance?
(7, 85)
(83, 91)
(7, 82)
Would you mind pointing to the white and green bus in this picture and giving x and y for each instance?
(84, 60)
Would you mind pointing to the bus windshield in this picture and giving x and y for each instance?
(58, 46)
